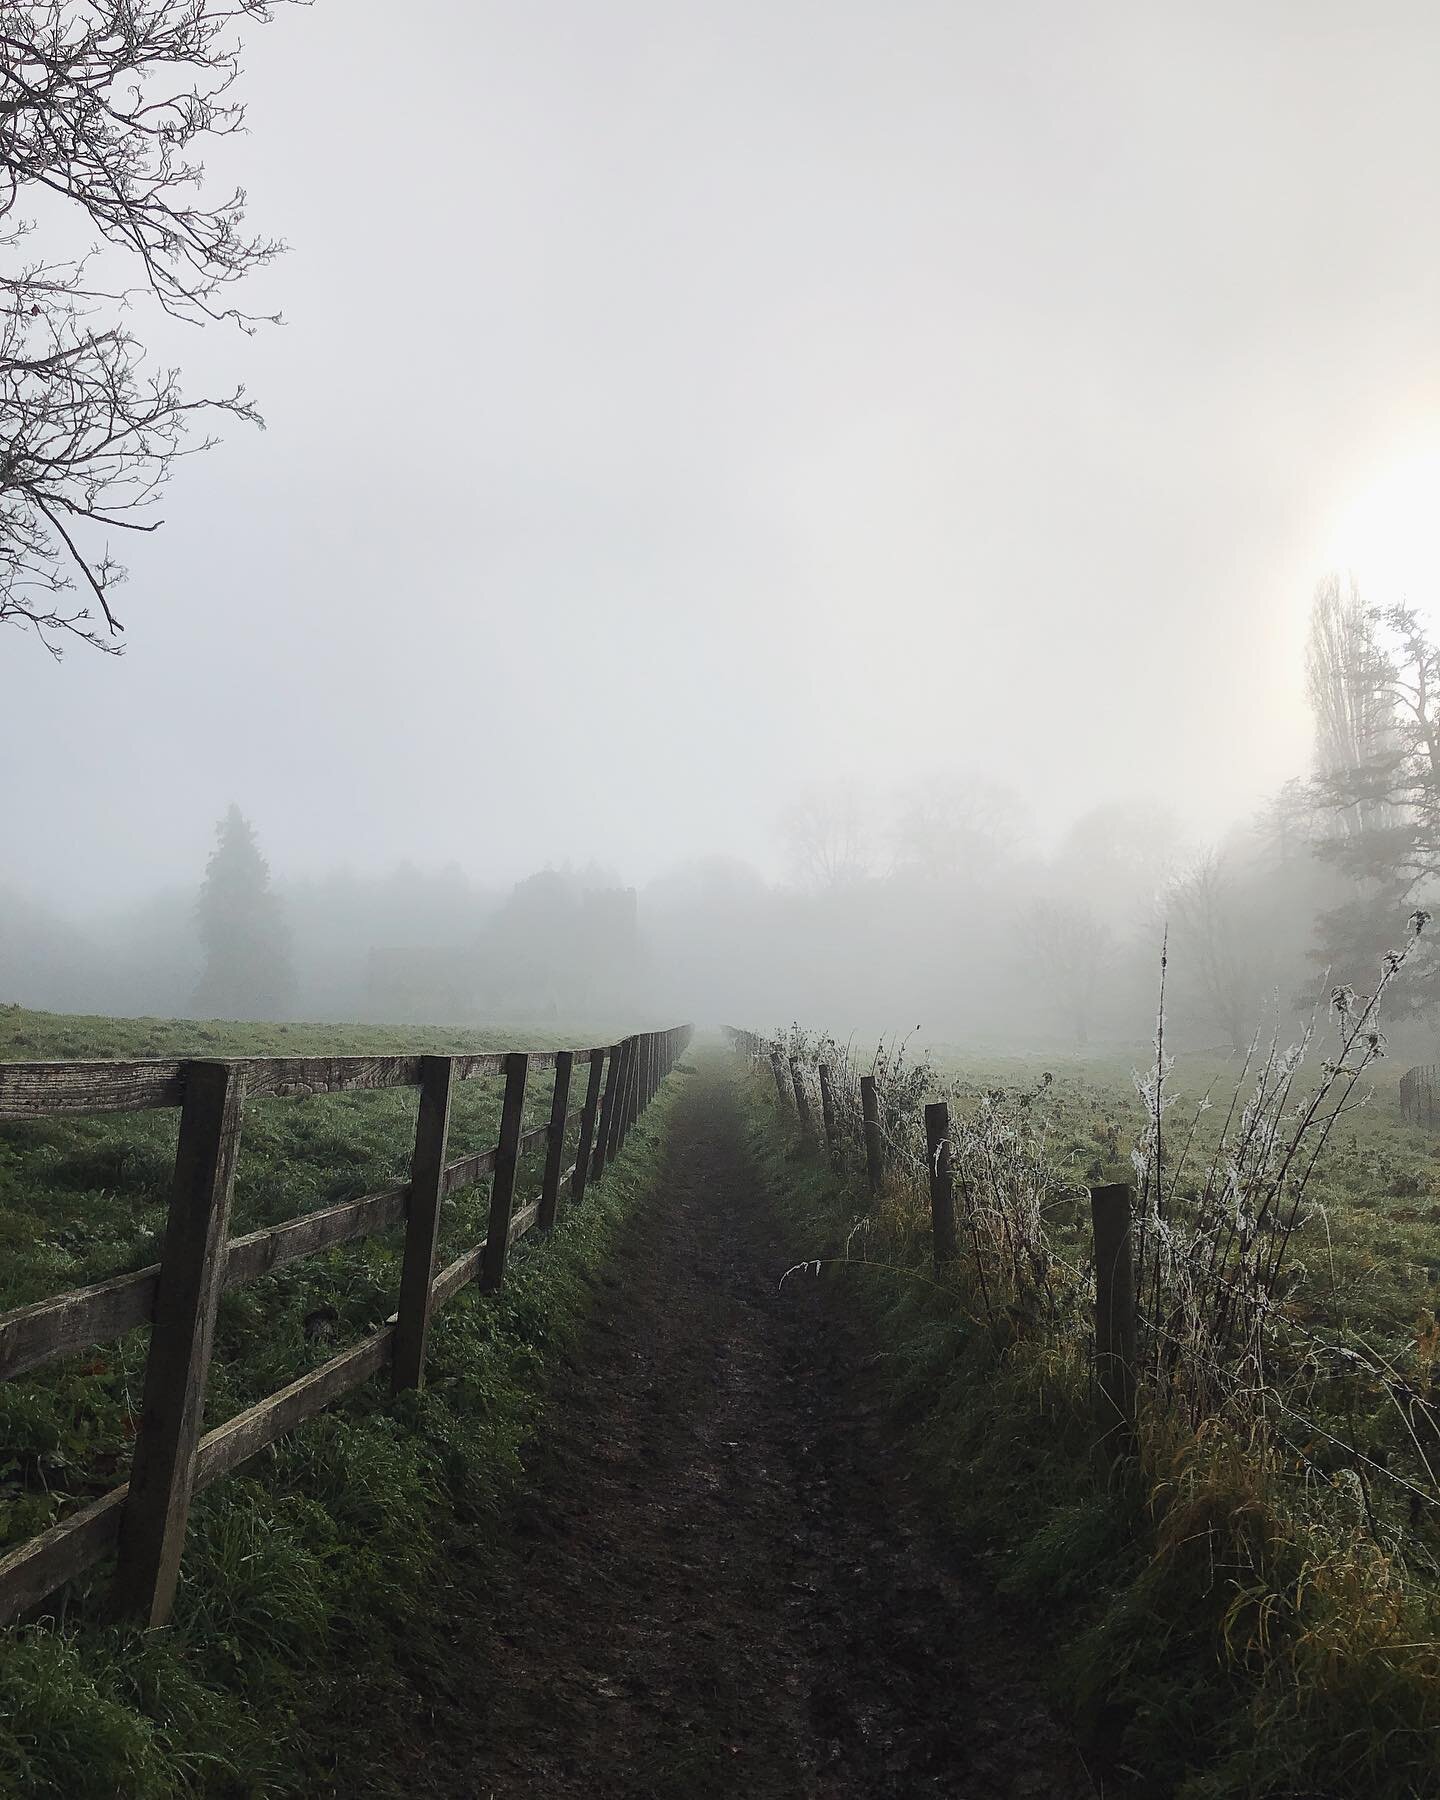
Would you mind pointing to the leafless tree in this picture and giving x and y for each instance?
(826, 836)
(1206, 948)
(102, 106)
(1071, 950)
(953, 827)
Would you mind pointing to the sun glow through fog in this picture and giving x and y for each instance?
(1389, 535)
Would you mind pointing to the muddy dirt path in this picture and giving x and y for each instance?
(720, 1583)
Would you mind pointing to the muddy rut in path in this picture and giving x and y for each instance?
(720, 1584)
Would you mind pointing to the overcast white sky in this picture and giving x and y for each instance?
(682, 402)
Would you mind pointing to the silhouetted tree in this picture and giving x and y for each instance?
(825, 834)
(102, 103)
(1391, 850)
(1346, 673)
(1071, 951)
(1207, 948)
(247, 973)
(950, 828)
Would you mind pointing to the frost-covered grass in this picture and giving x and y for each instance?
(1367, 1260)
(1251, 1604)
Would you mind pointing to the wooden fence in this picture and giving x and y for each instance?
(144, 1520)
(1111, 1210)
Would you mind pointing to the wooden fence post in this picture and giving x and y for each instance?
(827, 1113)
(622, 1103)
(870, 1111)
(502, 1187)
(779, 1080)
(422, 1221)
(587, 1127)
(192, 1273)
(555, 1144)
(622, 1099)
(607, 1112)
(802, 1103)
(632, 1085)
(1110, 1210)
(942, 1189)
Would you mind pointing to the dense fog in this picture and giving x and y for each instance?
(883, 517)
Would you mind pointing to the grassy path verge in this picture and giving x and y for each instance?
(716, 1580)
(314, 1579)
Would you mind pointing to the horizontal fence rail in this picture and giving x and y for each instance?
(144, 1519)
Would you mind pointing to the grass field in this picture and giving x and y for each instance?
(1250, 1604)
(302, 1571)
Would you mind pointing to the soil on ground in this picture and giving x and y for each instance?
(719, 1582)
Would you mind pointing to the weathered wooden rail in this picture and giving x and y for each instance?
(144, 1520)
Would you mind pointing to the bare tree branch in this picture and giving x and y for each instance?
(101, 105)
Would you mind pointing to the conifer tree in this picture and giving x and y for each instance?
(248, 972)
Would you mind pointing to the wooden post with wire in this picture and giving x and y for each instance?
(870, 1112)
(802, 1102)
(779, 1080)
(1111, 1209)
(942, 1185)
(827, 1114)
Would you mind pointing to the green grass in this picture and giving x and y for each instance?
(306, 1573)
(1219, 1626)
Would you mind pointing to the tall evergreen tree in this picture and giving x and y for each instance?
(248, 972)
